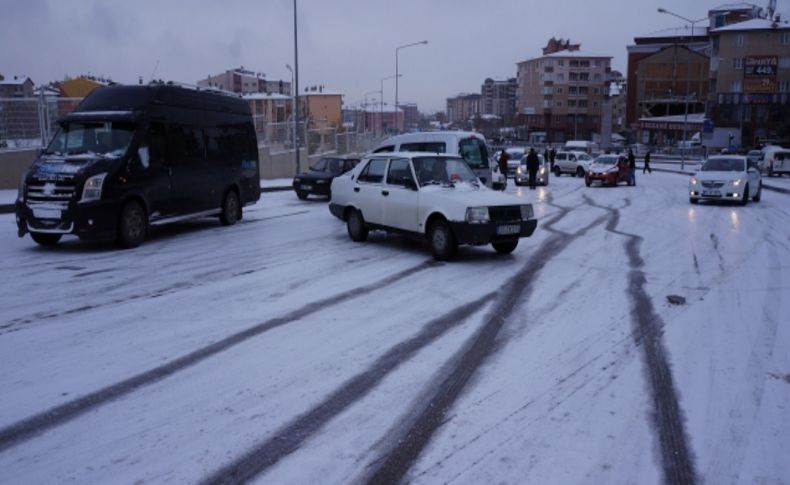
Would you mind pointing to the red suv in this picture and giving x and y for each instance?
(609, 170)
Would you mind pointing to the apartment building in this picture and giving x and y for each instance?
(499, 97)
(562, 92)
(244, 81)
(750, 79)
(464, 107)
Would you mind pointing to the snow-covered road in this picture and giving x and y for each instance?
(278, 351)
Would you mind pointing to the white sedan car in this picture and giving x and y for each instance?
(728, 178)
(429, 195)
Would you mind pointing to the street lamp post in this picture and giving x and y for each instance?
(296, 91)
(397, 49)
(688, 86)
(366, 107)
(381, 114)
(293, 116)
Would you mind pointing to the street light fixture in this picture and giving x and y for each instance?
(397, 49)
(293, 113)
(296, 91)
(688, 86)
(381, 113)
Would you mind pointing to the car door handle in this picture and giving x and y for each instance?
(356, 189)
(385, 193)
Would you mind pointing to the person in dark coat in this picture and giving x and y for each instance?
(502, 162)
(647, 168)
(552, 156)
(546, 154)
(533, 164)
(632, 167)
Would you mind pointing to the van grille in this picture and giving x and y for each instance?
(507, 213)
(50, 192)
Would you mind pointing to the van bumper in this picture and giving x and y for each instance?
(91, 220)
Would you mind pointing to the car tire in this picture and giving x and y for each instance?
(506, 247)
(231, 209)
(579, 172)
(745, 198)
(759, 194)
(45, 239)
(301, 195)
(355, 224)
(693, 200)
(557, 171)
(132, 225)
(587, 182)
(442, 241)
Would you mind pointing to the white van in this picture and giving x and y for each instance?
(588, 147)
(776, 160)
(469, 145)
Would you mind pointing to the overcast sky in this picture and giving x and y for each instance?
(346, 45)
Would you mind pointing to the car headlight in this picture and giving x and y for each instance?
(542, 170)
(735, 183)
(477, 215)
(693, 180)
(20, 194)
(92, 189)
(518, 170)
(297, 179)
(526, 212)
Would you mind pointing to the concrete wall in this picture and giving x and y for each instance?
(12, 165)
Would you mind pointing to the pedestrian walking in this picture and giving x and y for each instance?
(533, 163)
(647, 168)
(502, 162)
(546, 156)
(552, 156)
(632, 167)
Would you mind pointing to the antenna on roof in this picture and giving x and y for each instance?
(154, 71)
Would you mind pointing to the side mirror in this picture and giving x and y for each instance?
(409, 183)
(145, 159)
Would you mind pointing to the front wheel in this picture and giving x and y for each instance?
(132, 227)
(443, 244)
(45, 239)
(759, 194)
(579, 172)
(231, 209)
(693, 200)
(355, 224)
(745, 198)
(505, 247)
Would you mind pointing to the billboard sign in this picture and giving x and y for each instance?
(760, 73)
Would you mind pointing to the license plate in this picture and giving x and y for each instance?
(46, 213)
(509, 229)
(711, 193)
(306, 187)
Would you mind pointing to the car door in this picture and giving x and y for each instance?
(367, 190)
(401, 202)
(561, 161)
(753, 175)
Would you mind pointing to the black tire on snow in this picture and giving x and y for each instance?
(44, 239)
(355, 224)
(231, 209)
(132, 225)
(442, 241)
(506, 247)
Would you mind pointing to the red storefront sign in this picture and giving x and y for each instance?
(760, 73)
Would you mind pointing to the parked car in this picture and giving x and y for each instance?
(588, 147)
(469, 145)
(776, 160)
(514, 159)
(131, 157)
(726, 177)
(574, 163)
(318, 179)
(522, 175)
(608, 170)
(433, 196)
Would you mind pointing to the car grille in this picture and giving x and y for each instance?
(50, 192)
(505, 213)
(712, 185)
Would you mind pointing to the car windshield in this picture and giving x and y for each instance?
(584, 156)
(442, 171)
(605, 160)
(723, 165)
(109, 139)
(331, 165)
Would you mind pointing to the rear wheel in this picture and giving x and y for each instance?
(231, 209)
(45, 239)
(557, 171)
(132, 226)
(443, 244)
(692, 200)
(759, 194)
(355, 224)
(579, 172)
(506, 247)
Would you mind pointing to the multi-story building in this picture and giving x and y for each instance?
(750, 75)
(464, 107)
(324, 109)
(561, 93)
(411, 115)
(16, 87)
(245, 82)
(499, 97)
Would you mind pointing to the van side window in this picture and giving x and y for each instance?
(185, 142)
(433, 147)
(373, 172)
(157, 145)
(399, 169)
(386, 149)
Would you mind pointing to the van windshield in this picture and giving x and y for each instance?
(103, 138)
(474, 152)
(442, 171)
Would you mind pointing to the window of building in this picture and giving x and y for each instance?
(560, 76)
(547, 103)
(558, 104)
(573, 90)
(737, 63)
(560, 62)
(740, 39)
(596, 77)
(558, 90)
(784, 86)
(582, 103)
(735, 87)
(571, 103)
(784, 63)
(786, 38)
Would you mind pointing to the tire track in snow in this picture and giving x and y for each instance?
(677, 458)
(37, 424)
(409, 437)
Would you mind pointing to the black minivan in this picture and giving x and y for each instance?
(131, 157)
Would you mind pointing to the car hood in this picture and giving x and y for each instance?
(467, 195)
(599, 168)
(53, 168)
(721, 176)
